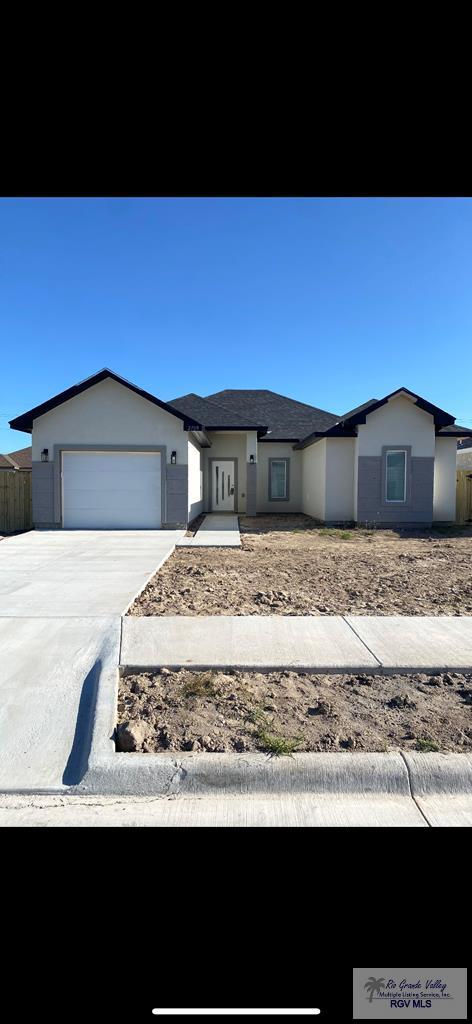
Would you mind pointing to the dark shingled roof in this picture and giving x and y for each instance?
(467, 443)
(22, 458)
(286, 419)
(17, 460)
(212, 415)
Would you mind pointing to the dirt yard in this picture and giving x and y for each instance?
(290, 566)
(283, 712)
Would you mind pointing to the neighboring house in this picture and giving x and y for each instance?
(17, 460)
(464, 454)
(107, 454)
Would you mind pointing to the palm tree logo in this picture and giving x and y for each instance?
(374, 985)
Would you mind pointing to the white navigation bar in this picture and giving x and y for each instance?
(233, 1012)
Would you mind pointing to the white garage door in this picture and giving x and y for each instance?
(111, 490)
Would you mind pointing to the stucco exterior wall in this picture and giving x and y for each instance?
(356, 477)
(444, 502)
(314, 480)
(396, 423)
(339, 499)
(195, 479)
(227, 446)
(109, 413)
(276, 450)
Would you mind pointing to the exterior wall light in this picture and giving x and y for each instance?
(45, 455)
(173, 458)
(251, 458)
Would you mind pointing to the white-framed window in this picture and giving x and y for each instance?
(395, 475)
(278, 479)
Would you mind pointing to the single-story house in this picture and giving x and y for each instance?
(464, 454)
(107, 454)
(17, 460)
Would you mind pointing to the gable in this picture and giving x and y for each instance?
(25, 421)
(108, 414)
(398, 421)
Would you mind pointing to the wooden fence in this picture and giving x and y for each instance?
(15, 500)
(464, 496)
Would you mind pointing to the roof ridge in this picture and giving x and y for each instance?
(214, 406)
(278, 394)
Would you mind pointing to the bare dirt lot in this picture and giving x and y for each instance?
(290, 566)
(283, 712)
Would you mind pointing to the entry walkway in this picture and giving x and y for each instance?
(218, 530)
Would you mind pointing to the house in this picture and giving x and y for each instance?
(107, 454)
(464, 454)
(17, 460)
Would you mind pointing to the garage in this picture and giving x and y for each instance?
(111, 490)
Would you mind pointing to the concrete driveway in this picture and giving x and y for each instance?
(62, 594)
(78, 572)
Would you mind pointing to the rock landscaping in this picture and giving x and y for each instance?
(284, 712)
(289, 565)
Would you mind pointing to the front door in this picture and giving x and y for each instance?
(222, 486)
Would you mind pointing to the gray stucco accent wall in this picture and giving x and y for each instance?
(46, 485)
(177, 496)
(43, 493)
(371, 504)
(251, 489)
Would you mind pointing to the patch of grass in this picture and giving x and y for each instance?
(276, 745)
(258, 717)
(268, 739)
(202, 684)
(340, 534)
(426, 746)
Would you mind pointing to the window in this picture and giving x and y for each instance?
(395, 485)
(279, 479)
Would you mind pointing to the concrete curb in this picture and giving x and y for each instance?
(205, 774)
(435, 774)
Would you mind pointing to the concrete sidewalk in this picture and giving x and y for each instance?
(304, 643)
(216, 531)
(301, 810)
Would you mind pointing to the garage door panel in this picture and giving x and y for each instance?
(111, 490)
(126, 500)
(89, 519)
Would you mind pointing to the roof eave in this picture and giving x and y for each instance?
(318, 435)
(457, 432)
(441, 417)
(25, 421)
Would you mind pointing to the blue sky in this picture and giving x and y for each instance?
(331, 301)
